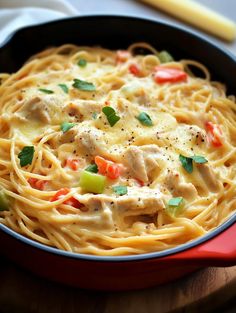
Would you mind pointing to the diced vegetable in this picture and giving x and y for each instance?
(4, 201)
(144, 119)
(71, 201)
(165, 57)
(110, 113)
(107, 168)
(82, 63)
(169, 75)
(37, 183)
(122, 56)
(175, 206)
(120, 190)
(65, 126)
(187, 163)
(83, 85)
(134, 69)
(92, 168)
(48, 91)
(92, 182)
(73, 164)
(214, 134)
(199, 159)
(64, 88)
(94, 115)
(60, 194)
(26, 155)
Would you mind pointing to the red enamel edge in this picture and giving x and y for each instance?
(218, 251)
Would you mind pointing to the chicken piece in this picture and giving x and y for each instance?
(91, 141)
(68, 136)
(142, 161)
(209, 177)
(46, 109)
(84, 108)
(178, 188)
(137, 201)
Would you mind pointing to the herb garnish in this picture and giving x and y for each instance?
(187, 162)
(199, 159)
(82, 63)
(92, 168)
(175, 202)
(120, 190)
(26, 155)
(65, 126)
(144, 119)
(94, 115)
(175, 205)
(64, 88)
(111, 115)
(83, 85)
(48, 91)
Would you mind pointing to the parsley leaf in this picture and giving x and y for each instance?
(26, 155)
(48, 91)
(199, 159)
(187, 163)
(82, 63)
(175, 202)
(94, 115)
(175, 206)
(111, 115)
(120, 190)
(92, 168)
(65, 126)
(83, 85)
(144, 119)
(64, 88)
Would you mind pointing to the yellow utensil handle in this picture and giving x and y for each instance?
(198, 15)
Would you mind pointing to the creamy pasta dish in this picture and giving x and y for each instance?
(115, 152)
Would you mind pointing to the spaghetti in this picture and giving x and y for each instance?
(115, 152)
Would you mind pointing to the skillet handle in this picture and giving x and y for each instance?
(218, 251)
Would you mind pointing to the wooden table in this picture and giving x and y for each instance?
(208, 290)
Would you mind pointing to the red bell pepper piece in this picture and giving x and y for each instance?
(214, 134)
(107, 168)
(73, 164)
(71, 201)
(37, 183)
(134, 69)
(169, 75)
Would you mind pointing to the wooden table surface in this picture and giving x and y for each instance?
(208, 290)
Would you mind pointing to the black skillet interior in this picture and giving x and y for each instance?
(116, 32)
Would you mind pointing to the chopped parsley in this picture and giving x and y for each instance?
(64, 88)
(48, 91)
(144, 119)
(83, 85)
(26, 155)
(187, 162)
(92, 168)
(175, 202)
(111, 115)
(199, 159)
(120, 190)
(94, 115)
(82, 63)
(175, 205)
(65, 126)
